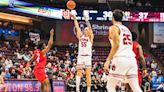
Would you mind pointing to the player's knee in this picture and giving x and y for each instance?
(79, 72)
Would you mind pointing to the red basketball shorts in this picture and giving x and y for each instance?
(40, 74)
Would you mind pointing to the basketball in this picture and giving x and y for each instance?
(71, 4)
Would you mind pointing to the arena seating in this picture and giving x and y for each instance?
(159, 55)
(99, 56)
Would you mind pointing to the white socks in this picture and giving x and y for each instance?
(78, 79)
(88, 89)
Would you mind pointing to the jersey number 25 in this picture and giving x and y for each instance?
(126, 39)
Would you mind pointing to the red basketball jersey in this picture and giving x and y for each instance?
(135, 50)
(40, 60)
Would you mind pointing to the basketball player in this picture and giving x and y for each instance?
(40, 59)
(2, 83)
(137, 48)
(84, 53)
(122, 56)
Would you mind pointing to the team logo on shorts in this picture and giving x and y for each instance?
(113, 67)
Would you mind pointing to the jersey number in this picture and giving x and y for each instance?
(126, 39)
(83, 44)
(38, 57)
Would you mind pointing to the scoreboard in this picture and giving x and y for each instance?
(107, 15)
(64, 14)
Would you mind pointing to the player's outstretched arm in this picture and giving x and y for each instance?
(50, 42)
(87, 22)
(141, 57)
(91, 35)
(114, 35)
(78, 30)
(29, 62)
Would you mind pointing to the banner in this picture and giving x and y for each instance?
(31, 86)
(8, 32)
(22, 86)
(68, 31)
(98, 15)
(158, 32)
(58, 86)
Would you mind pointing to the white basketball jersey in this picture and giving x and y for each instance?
(85, 46)
(126, 44)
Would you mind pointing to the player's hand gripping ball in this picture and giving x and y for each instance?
(71, 4)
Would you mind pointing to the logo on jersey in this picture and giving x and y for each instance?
(113, 67)
(82, 25)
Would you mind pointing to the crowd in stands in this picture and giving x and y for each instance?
(61, 65)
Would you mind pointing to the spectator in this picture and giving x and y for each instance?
(7, 74)
(94, 83)
(154, 73)
(20, 70)
(67, 53)
(145, 79)
(3, 67)
(17, 44)
(62, 64)
(18, 54)
(138, 4)
(161, 87)
(26, 56)
(43, 46)
(67, 63)
(27, 73)
(13, 74)
(7, 44)
(49, 72)
(71, 83)
(8, 62)
(2, 61)
(148, 4)
(83, 85)
(154, 65)
(2, 37)
(72, 57)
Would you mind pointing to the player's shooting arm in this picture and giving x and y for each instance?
(141, 57)
(87, 22)
(91, 35)
(30, 61)
(50, 42)
(114, 35)
(78, 30)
